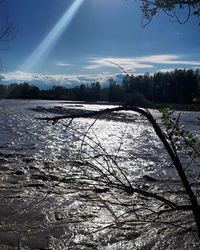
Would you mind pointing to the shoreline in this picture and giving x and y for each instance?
(173, 106)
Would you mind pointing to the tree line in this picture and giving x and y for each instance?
(178, 86)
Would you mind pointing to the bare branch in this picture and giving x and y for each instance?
(7, 31)
(170, 149)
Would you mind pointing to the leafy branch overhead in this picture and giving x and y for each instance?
(181, 138)
(181, 10)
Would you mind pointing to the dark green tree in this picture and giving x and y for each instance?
(3, 91)
(115, 93)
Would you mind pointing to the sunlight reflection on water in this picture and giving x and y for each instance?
(20, 133)
(133, 145)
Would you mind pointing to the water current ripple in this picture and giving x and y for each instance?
(42, 207)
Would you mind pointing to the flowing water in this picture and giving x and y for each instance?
(43, 205)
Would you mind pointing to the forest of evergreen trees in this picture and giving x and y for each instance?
(178, 86)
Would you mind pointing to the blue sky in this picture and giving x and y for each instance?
(67, 42)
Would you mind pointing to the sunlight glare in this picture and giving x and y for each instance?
(44, 48)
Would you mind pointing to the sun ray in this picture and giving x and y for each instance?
(44, 48)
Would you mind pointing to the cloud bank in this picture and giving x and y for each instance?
(101, 69)
(144, 62)
(49, 80)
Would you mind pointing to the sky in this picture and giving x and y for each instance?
(69, 42)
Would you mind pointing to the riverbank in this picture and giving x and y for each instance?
(173, 106)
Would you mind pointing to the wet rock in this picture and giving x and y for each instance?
(3, 160)
(101, 190)
(84, 195)
(53, 178)
(146, 185)
(8, 155)
(47, 164)
(58, 107)
(40, 177)
(86, 245)
(19, 172)
(149, 178)
(29, 160)
(86, 216)
(33, 168)
(58, 216)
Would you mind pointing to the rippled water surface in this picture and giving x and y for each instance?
(42, 209)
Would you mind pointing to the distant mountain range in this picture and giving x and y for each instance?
(48, 81)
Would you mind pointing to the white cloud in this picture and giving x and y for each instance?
(166, 59)
(64, 64)
(129, 64)
(165, 70)
(17, 76)
(48, 80)
(143, 62)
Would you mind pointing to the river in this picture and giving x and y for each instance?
(46, 203)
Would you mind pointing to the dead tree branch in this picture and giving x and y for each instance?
(169, 148)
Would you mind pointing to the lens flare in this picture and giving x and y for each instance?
(44, 48)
